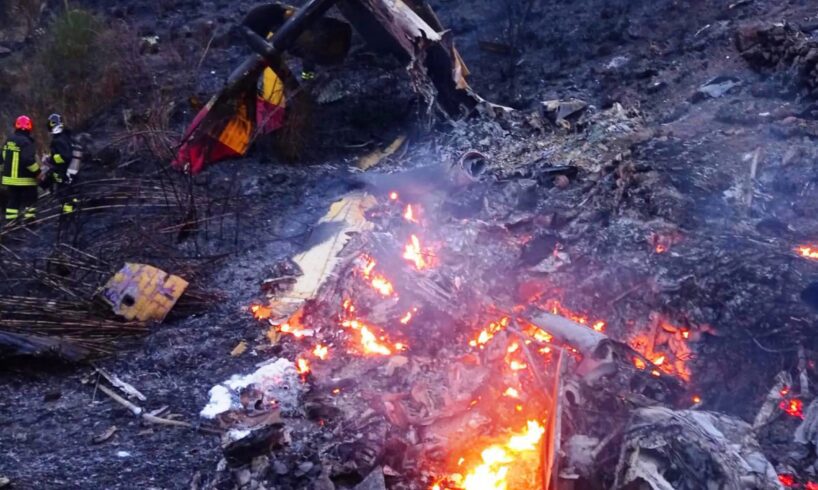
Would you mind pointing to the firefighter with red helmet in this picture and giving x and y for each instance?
(20, 171)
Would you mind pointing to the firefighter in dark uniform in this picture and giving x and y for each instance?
(60, 161)
(20, 171)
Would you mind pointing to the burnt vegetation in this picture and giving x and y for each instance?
(392, 282)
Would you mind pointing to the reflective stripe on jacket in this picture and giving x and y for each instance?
(20, 161)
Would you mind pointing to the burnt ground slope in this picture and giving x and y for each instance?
(655, 158)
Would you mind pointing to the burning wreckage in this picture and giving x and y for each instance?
(416, 342)
(401, 353)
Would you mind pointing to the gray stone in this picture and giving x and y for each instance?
(374, 481)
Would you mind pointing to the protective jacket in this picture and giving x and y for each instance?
(62, 152)
(20, 166)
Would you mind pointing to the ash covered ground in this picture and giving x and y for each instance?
(662, 217)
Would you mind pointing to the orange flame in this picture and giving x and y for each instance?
(557, 308)
(407, 317)
(321, 352)
(381, 285)
(517, 365)
(302, 366)
(807, 251)
(497, 460)
(793, 407)
(512, 393)
(414, 253)
(489, 332)
(378, 282)
(409, 214)
(261, 312)
(370, 343)
(295, 331)
(393, 196)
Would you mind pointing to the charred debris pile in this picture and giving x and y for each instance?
(548, 316)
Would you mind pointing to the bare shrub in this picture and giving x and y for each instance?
(78, 68)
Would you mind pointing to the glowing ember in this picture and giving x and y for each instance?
(697, 399)
(512, 393)
(378, 282)
(369, 267)
(393, 196)
(793, 407)
(513, 348)
(557, 308)
(787, 480)
(407, 317)
(660, 248)
(811, 486)
(383, 286)
(414, 253)
(489, 332)
(807, 251)
(409, 214)
(517, 365)
(261, 312)
(785, 390)
(639, 363)
(321, 351)
(294, 330)
(302, 366)
(497, 460)
(659, 360)
(370, 343)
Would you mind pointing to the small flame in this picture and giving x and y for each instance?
(378, 282)
(787, 480)
(261, 312)
(384, 287)
(517, 365)
(512, 393)
(697, 399)
(369, 341)
(321, 352)
(489, 332)
(414, 253)
(660, 248)
(639, 363)
(409, 214)
(407, 317)
(295, 331)
(557, 308)
(808, 252)
(393, 196)
(302, 366)
(514, 347)
(371, 344)
(793, 407)
(497, 459)
(659, 360)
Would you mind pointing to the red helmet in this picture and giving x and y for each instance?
(23, 123)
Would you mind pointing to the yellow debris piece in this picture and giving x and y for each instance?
(143, 292)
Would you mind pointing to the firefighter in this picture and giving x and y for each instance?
(63, 163)
(20, 171)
